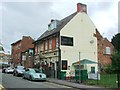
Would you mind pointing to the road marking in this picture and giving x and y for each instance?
(1, 87)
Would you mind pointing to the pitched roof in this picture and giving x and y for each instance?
(63, 22)
(15, 42)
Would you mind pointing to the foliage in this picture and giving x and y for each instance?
(108, 69)
(116, 61)
(37, 65)
(116, 41)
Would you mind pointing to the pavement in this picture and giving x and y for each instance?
(76, 85)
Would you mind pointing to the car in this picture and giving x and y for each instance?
(3, 69)
(9, 70)
(34, 74)
(18, 71)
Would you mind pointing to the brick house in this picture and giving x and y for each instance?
(20, 46)
(66, 42)
(105, 50)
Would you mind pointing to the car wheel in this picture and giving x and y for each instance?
(16, 74)
(13, 74)
(23, 77)
(30, 78)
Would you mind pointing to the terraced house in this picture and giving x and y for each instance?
(68, 44)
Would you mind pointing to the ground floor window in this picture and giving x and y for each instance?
(92, 69)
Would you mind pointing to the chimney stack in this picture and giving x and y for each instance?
(52, 20)
(81, 7)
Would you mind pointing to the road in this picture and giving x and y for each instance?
(10, 81)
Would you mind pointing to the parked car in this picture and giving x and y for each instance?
(34, 74)
(9, 70)
(3, 69)
(18, 71)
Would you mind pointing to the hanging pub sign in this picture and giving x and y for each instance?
(67, 41)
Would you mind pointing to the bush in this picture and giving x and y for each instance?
(108, 69)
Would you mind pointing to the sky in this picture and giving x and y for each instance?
(31, 17)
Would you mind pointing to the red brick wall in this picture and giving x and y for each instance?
(27, 43)
(16, 50)
(21, 46)
(102, 43)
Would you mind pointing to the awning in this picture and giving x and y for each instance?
(84, 61)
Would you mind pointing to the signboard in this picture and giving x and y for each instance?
(64, 64)
(67, 41)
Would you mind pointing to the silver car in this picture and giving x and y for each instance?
(18, 71)
(9, 70)
(34, 74)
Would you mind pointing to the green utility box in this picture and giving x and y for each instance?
(63, 75)
(80, 75)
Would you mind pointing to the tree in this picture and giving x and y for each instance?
(116, 56)
(116, 60)
(116, 65)
(116, 41)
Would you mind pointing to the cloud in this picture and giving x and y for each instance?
(24, 18)
(31, 18)
(107, 20)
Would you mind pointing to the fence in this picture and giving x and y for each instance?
(106, 80)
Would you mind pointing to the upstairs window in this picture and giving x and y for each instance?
(107, 50)
(57, 41)
(50, 44)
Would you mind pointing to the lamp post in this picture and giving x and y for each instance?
(79, 69)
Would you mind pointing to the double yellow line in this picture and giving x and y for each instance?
(1, 87)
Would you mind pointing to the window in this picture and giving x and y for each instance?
(92, 69)
(41, 47)
(67, 41)
(46, 45)
(64, 65)
(56, 41)
(50, 44)
(108, 50)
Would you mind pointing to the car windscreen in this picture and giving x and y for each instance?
(20, 67)
(38, 71)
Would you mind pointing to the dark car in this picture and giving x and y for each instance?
(18, 71)
(3, 70)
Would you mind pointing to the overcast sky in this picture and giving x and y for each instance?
(32, 17)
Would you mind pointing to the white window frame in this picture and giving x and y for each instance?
(46, 45)
(50, 43)
(107, 50)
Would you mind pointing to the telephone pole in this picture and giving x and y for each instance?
(79, 69)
